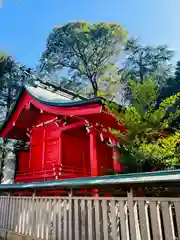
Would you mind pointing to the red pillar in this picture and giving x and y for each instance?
(93, 154)
(44, 147)
(93, 159)
(60, 154)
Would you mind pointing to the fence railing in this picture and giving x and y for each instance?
(88, 218)
(53, 173)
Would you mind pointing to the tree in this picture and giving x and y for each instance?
(148, 141)
(88, 51)
(172, 85)
(145, 61)
(12, 76)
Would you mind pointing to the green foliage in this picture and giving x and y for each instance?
(144, 142)
(172, 85)
(164, 152)
(12, 76)
(88, 51)
(142, 62)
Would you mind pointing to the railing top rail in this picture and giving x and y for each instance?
(123, 179)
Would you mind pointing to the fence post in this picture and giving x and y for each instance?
(70, 216)
(131, 214)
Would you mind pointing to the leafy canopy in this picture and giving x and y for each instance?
(144, 144)
(146, 61)
(172, 84)
(88, 51)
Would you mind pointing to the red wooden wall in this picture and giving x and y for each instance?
(76, 152)
(69, 149)
(104, 156)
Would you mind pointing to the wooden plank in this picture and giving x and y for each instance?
(18, 223)
(177, 211)
(142, 217)
(16, 219)
(59, 232)
(12, 217)
(122, 220)
(38, 220)
(49, 222)
(154, 221)
(54, 212)
(97, 220)
(47, 219)
(8, 227)
(90, 225)
(131, 215)
(77, 219)
(65, 229)
(34, 218)
(27, 216)
(6, 211)
(43, 224)
(30, 230)
(0, 212)
(70, 219)
(83, 220)
(105, 219)
(113, 219)
(166, 221)
(3, 213)
(23, 216)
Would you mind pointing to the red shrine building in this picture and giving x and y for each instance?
(65, 137)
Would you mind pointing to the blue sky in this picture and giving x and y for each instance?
(25, 24)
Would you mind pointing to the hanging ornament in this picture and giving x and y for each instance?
(28, 135)
(110, 141)
(65, 123)
(87, 129)
(101, 137)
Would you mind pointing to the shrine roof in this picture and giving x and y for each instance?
(60, 99)
(57, 101)
(52, 99)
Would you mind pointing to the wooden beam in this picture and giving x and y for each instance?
(73, 125)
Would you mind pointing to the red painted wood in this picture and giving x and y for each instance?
(23, 161)
(75, 151)
(104, 158)
(93, 154)
(26, 100)
(9, 125)
(58, 151)
(67, 111)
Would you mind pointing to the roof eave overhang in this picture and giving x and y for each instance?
(85, 107)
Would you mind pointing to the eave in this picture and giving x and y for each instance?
(57, 107)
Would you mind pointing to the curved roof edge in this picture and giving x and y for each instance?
(60, 101)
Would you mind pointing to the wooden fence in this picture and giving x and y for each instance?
(92, 218)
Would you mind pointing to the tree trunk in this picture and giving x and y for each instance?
(9, 164)
(93, 81)
(8, 102)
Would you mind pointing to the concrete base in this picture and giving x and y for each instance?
(7, 235)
